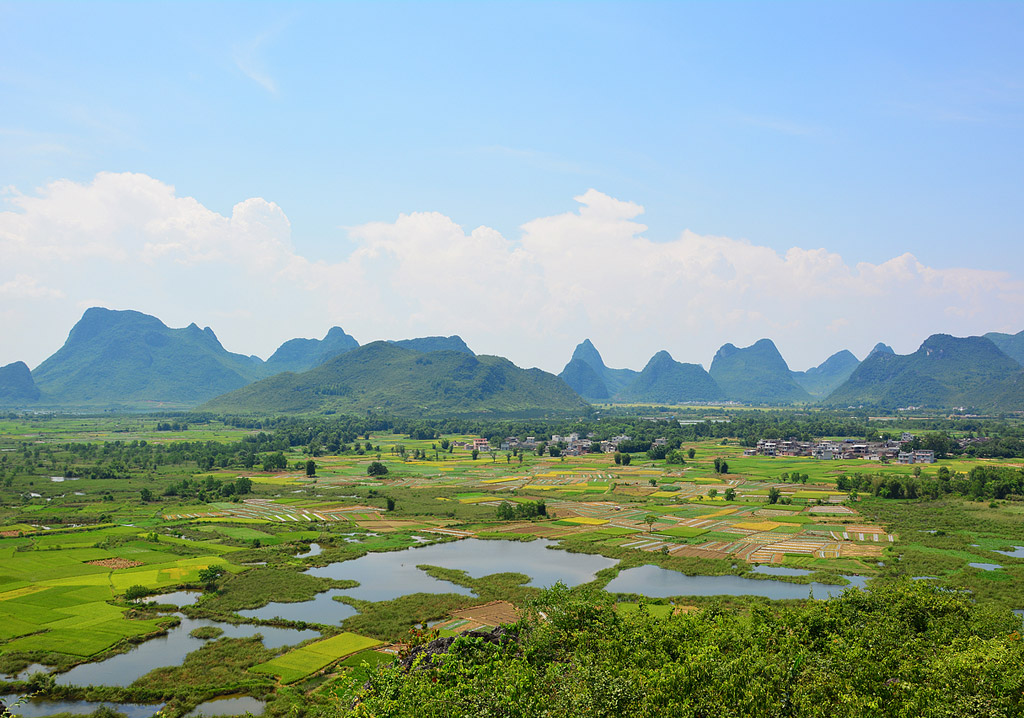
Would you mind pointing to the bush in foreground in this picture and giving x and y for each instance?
(905, 650)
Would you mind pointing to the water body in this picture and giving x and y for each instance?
(314, 550)
(170, 650)
(780, 571)
(39, 708)
(1017, 552)
(177, 598)
(384, 576)
(228, 706)
(25, 674)
(658, 582)
(321, 609)
(986, 566)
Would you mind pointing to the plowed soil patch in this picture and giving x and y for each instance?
(116, 563)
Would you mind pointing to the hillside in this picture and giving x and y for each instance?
(666, 381)
(584, 380)
(823, 379)
(1012, 345)
(16, 385)
(301, 354)
(756, 374)
(383, 377)
(453, 343)
(944, 372)
(127, 358)
(600, 383)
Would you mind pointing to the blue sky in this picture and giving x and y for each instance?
(867, 130)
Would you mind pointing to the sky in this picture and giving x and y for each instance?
(526, 175)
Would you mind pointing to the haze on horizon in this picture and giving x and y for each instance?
(650, 176)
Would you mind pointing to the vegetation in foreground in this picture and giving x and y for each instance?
(907, 649)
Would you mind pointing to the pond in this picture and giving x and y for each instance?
(321, 609)
(177, 598)
(780, 571)
(39, 707)
(314, 550)
(1017, 552)
(27, 672)
(228, 706)
(986, 566)
(384, 576)
(170, 650)
(658, 582)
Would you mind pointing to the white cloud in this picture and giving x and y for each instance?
(589, 272)
(26, 287)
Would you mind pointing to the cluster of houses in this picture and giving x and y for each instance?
(572, 444)
(847, 449)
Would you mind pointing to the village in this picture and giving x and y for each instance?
(882, 451)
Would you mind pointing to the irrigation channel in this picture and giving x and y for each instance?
(388, 575)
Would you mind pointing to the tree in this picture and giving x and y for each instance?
(626, 458)
(773, 495)
(617, 457)
(134, 593)
(243, 485)
(209, 576)
(650, 520)
(724, 467)
(730, 494)
(376, 468)
(310, 468)
(691, 453)
(146, 495)
(390, 503)
(712, 493)
(475, 453)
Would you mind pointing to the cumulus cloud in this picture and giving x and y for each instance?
(588, 272)
(26, 287)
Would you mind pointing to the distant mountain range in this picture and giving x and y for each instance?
(129, 360)
(756, 374)
(823, 379)
(590, 378)
(945, 372)
(16, 384)
(303, 354)
(1012, 345)
(387, 378)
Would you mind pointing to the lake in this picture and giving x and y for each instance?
(170, 650)
(384, 576)
(658, 582)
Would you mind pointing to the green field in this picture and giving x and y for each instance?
(301, 662)
(158, 517)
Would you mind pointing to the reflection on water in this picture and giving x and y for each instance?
(320, 609)
(1017, 552)
(985, 566)
(780, 571)
(384, 576)
(228, 706)
(314, 550)
(177, 598)
(659, 582)
(28, 671)
(170, 650)
(38, 707)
